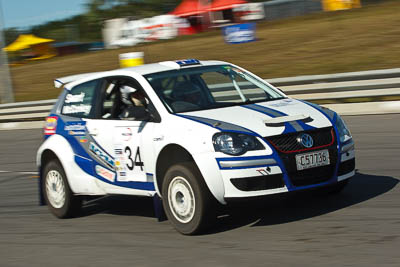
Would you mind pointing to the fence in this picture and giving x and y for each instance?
(354, 93)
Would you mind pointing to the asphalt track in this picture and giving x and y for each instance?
(359, 227)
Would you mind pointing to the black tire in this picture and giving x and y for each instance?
(55, 181)
(200, 212)
(333, 189)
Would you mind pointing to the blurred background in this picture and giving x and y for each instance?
(43, 40)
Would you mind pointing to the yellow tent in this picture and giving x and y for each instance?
(40, 46)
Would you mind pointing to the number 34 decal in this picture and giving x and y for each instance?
(132, 163)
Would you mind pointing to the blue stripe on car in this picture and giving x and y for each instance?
(86, 166)
(291, 126)
(219, 125)
(272, 113)
(86, 161)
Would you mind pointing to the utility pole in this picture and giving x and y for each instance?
(6, 90)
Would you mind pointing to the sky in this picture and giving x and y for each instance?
(26, 13)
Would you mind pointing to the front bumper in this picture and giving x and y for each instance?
(280, 173)
(267, 172)
(273, 179)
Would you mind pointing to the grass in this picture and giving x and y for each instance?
(330, 42)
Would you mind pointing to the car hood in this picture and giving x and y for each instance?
(264, 119)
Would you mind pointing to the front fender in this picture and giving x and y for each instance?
(196, 139)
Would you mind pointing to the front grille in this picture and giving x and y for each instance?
(288, 147)
(289, 143)
(309, 176)
(259, 182)
(347, 166)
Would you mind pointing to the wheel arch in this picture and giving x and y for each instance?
(56, 147)
(174, 153)
(46, 156)
(168, 156)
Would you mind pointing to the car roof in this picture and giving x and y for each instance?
(169, 65)
(141, 70)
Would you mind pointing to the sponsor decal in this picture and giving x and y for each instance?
(50, 125)
(102, 155)
(106, 174)
(240, 33)
(126, 134)
(120, 164)
(75, 98)
(283, 103)
(72, 109)
(127, 157)
(76, 133)
(237, 70)
(77, 128)
(264, 171)
(249, 11)
(83, 139)
(119, 159)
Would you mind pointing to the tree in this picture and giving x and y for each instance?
(10, 35)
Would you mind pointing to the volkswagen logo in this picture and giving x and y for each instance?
(306, 140)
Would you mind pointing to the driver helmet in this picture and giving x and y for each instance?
(126, 92)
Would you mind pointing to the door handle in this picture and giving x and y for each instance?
(158, 138)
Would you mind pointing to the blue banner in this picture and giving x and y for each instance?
(240, 33)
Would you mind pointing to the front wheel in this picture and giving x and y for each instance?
(188, 202)
(57, 193)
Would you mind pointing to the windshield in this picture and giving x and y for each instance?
(209, 87)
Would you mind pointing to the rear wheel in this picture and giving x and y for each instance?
(187, 201)
(57, 193)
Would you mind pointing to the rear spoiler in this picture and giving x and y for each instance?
(60, 82)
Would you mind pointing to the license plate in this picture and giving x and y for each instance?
(312, 159)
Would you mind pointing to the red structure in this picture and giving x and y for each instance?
(190, 8)
(219, 5)
(201, 14)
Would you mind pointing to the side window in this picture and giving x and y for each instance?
(79, 101)
(110, 107)
(123, 99)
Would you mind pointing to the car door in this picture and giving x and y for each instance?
(123, 144)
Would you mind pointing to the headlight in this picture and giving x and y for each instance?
(235, 143)
(344, 133)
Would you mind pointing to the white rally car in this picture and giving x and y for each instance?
(193, 133)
